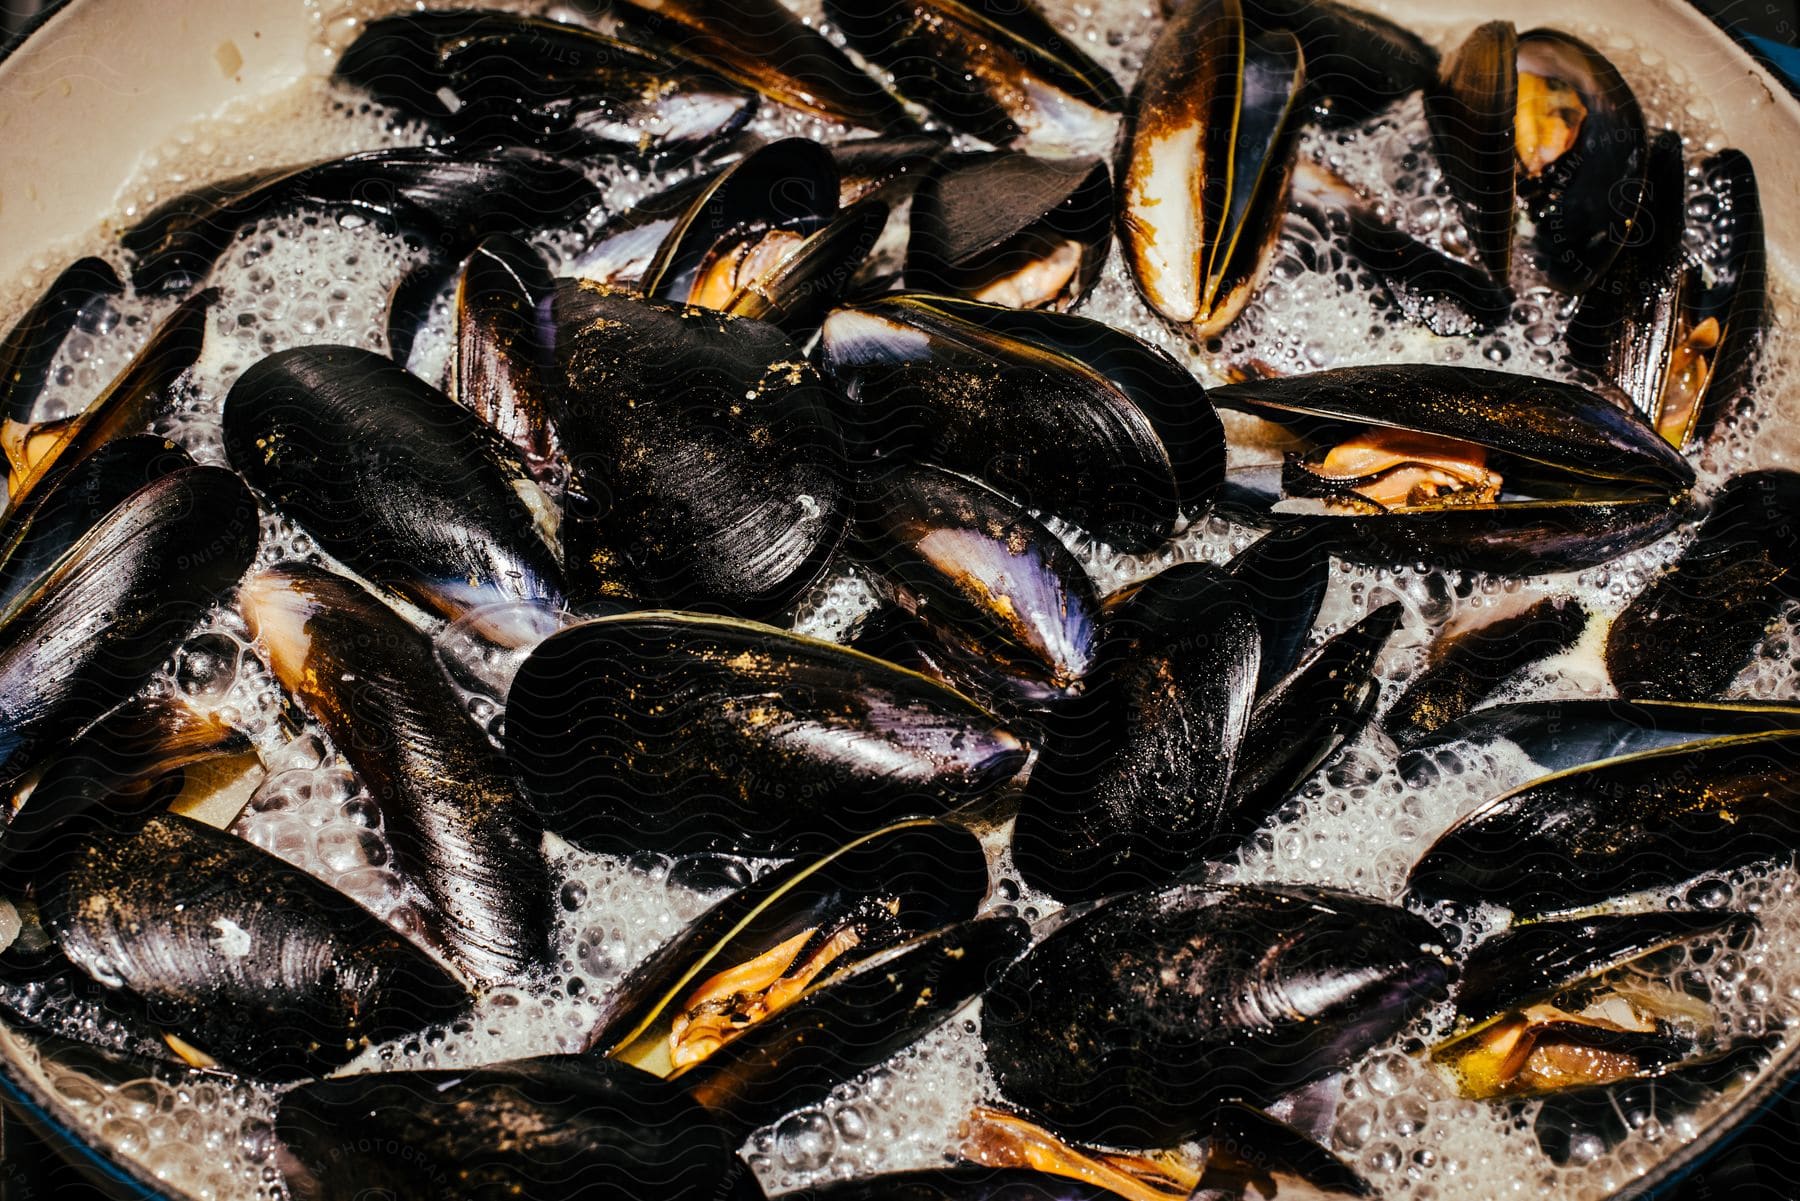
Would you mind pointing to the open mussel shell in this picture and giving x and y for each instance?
(452, 199)
(709, 443)
(1011, 229)
(1131, 784)
(31, 345)
(496, 77)
(70, 503)
(1467, 664)
(998, 589)
(1061, 413)
(1472, 111)
(854, 1021)
(679, 732)
(1579, 1125)
(1356, 62)
(247, 958)
(1725, 316)
(1585, 199)
(997, 69)
(1695, 626)
(391, 476)
(122, 769)
(1262, 990)
(807, 922)
(549, 1127)
(448, 803)
(1206, 161)
(1539, 959)
(961, 1183)
(762, 44)
(1594, 832)
(889, 168)
(89, 633)
(499, 345)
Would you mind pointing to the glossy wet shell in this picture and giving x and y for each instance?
(1127, 1021)
(250, 959)
(676, 732)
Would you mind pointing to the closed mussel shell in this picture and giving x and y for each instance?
(499, 345)
(679, 732)
(1357, 63)
(708, 442)
(89, 632)
(249, 959)
(1259, 990)
(391, 476)
(806, 922)
(1003, 595)
(459, 828)
(1472, 111)
(533, 1129)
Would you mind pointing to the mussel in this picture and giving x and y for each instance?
(1285, 575)
(1128, 1021)
(556, 1126)
(488, 76)
(400, 482)
(965, 1183)
(1645, 820)
(1014, 610)
(1694, 627)
(1059, 412)
(681, 732)
(1357, 63)
(250, 961)
(459, 829)
(1545, 116)
(453, 199)
(1206, 161)
(1132, 783)
(499, 345)
(1469, 660)
(993, 68)
(1492, 469)
(31, 345)
(1012, 230)
(88, 633)
(708, 443)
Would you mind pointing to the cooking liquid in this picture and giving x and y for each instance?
(311, 278)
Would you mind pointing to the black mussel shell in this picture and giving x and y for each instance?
(489, 77)
(1559, 735)
(410, 304)
(1518, 538)
(1285, 575)
(1696, 625)
(1468, 664)
(1206, 161)
(499, 345)
(1584, 202)
(452, 199)
(448, 803)
(37, 455)
(621, 251)
(62, 1004)
(1260, 991)
(1356, 62)
(888, 167)
(998, 589)
(762, 44)
(1735, 296)
(1587, 835)
(247, 958)
(1011, 229)
(993, 68)
(1626, 327)
(1131, 785)
(679, 732)
(1472, 110)
(30, 346)
(962, 1183)
(1303, 720)
(89, 633)
(1059, 412)
(121, 770)
(72, 500)
(709, 444)
(553, 1127)
(391, 476)
(887, 887)
(1578, 1125)
(854, 1021)
(1539, 959)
